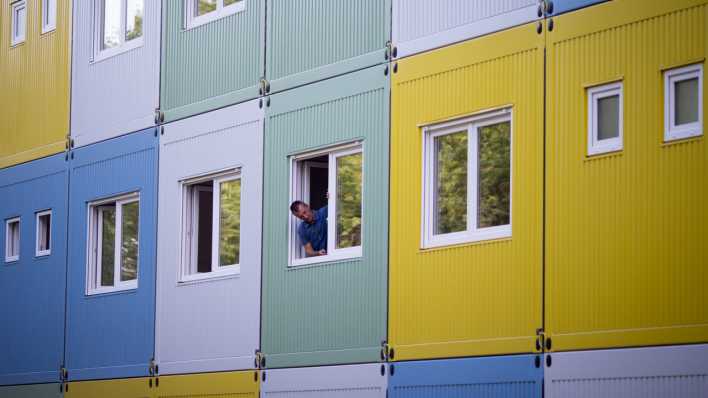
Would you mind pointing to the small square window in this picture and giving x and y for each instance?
(326, 183)
(119, 27)
(44, 233)
(18, 13)
(683, 102)
(113, 243)
(211, 230)
(12, 239)
(200, 12)
(467, 180)
(49, 15)
(605, 119)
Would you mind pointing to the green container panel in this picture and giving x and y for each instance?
(51, 390)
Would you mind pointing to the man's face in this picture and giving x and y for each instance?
(305, 213)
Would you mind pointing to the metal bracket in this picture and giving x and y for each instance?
(260, 360)
(387, 53)
(159, 116)
(384, 350)
(264, 86)
(540, 339)
(152, 367)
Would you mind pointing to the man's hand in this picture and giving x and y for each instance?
(322, 252)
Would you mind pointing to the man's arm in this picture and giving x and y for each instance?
(311, 252)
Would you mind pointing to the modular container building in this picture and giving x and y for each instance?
(111, 278)
(311, 40)
(115, 82)
(208, 295)
(33, 207)
(467, 198)
(52, 390)
(556, 7)
(671, 371)
(344, 381)
(626, 220)
(35, 48)
(326, 144)
(491, 377)
(421, 25)
(212, 55)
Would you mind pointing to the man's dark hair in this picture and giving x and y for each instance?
(296, 205)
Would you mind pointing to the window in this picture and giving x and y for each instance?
(119, 27)
(12, 239)
(49, 15)
(683, 108)
(113, 244)
(200, 12)
(18, 12)
(331, 183)
(43, 246)
(211, 233)
(467, 180)
(605, 119)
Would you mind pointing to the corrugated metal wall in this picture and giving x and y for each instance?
(213, 65)
(310, 40)
(112, 335)
(332, 313)
(485, 297)
(33, 391)
(422, 25)
(563, 6)
(117, 95)
(32, 289)
(140, 387)
(626, 248)
(349, 381)
(226, 385)
(34, 89)
(212, 324)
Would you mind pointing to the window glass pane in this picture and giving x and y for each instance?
(134, 20)
(349, 201)
(21, 19)
(229, 222)
(205, 208)
(451, 183)
(494, 175)
(608, 117)
(230, 2)
(111, 24)
(686, 92)
(108, 242)
(13, 247)
(44, 233)
(205, 6)
(49, 10)
(129, 242)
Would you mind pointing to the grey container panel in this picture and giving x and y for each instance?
(51, 390)
(329, 313)
(350, 381)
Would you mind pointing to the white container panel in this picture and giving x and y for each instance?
(115, 95)
(210, 324)
(346, 381)
(656, 372)
(422, 25)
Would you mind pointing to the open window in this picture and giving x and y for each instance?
(18, 28)
(43, 246)
(118, 27)
(683, 102)
(49, 15)
(330, 182)
(12, 239)
(200, 12)
(113, 242)
(211, 230)
(605, 119)
(467, 180)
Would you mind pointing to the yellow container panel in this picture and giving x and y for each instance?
(121, 388)
(228, 384)
(626, 243)
(34, 89)
(478, 298)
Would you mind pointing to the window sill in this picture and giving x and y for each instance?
(43, 254)
(48, 31)
(18, 44)
(676, 141)
(683, 134)
(458, 239)
(104, 291)
(210, 276)
(12, 259)
(196, 22)
(330, 258)
(113, 52)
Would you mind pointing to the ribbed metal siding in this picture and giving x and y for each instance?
(32, 289)
(31, 391)
(562, 6)
(485, 297)
(491, 377)
(117, 95)
(213, 65)
(119, 388)
(34, 89)
(330, 313)
(222, 385)
(112, 335)
(626, 233)
(310, 40)
(350, 381)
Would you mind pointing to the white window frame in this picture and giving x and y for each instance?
(299, 190)
(11, 258)
(100, 54)
(17, 38)
(45, 15)
(37, 251)
(192, 20)
(94, 238)
(190, 222)
(594, 94)
(672, 131)
(471, 125)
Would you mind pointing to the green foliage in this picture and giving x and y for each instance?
(349, 200)
(494, 175)
(129, 242)
(108, 242)
(205, 6)
(230, 223)
(451, 181)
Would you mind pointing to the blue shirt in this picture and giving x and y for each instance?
(315, 233)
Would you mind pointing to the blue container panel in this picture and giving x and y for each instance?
(32, 288)
(562, 6)
(490, 377)
(112, 335)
